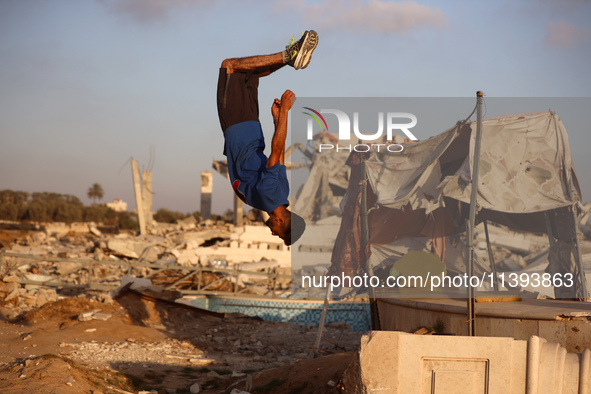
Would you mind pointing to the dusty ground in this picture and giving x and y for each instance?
(151, 345)
(147, 345)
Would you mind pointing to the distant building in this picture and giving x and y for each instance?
(117, 205)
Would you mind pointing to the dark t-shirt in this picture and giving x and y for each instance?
(260, 187)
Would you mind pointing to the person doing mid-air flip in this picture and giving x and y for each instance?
(259, 181)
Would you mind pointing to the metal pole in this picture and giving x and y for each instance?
(491, 258)
(470, 291)
(581, 291)
(147, 196)
(135, 172)
(549, 230)
(206, 191)
(238, 211)
(472, 218)
(373, 304)
(322, 319)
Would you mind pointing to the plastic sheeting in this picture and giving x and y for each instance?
(525, 167)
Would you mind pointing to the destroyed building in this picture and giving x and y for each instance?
(417, 206)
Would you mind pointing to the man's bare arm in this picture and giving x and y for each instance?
(280, 109)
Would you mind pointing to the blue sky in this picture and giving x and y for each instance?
(85, 85)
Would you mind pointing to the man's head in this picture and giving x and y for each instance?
(286, 225)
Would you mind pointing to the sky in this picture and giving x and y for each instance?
(87, 85)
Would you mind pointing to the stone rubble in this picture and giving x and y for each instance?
(240, 347)
(69, 249)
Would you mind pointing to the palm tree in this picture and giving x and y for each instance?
(95, 192)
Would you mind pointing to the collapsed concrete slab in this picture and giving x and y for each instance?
(397, 362)
(123, 248)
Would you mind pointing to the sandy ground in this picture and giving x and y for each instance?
(147, 345)
(144, 345)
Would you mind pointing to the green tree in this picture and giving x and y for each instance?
(164, 215)
(96, 213)
(9, 211)
(95, 192)
(127, 221)
(67, 212)
(13, 204)
(37, 211)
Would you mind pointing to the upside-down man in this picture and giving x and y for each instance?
(259, 181)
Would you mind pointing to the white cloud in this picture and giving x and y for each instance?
(373, 16)
(148, 10)
(353, 15)
(563, 6)
(563, 34)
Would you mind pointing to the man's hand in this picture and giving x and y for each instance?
(275, 109)
(280, 110)
(285, 104)
(287, 100)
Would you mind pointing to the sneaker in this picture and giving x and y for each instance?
(299, 53)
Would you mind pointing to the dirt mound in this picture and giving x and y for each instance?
(53, 374)
(151, 309)
(61, 310)
(142, 342)
(316, 376)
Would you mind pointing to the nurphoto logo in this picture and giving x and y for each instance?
(402, 121)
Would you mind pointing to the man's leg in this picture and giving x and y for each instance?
(297, 54)
(237, 95)
(238, 80)
(259, 64)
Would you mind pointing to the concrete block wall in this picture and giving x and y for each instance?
(400, 363)
(257, 234)
(567, 329)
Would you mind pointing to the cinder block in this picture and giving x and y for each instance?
(401, 363)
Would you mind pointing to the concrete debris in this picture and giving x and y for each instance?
(523, 243)
(11, 279)
(93, 230)
(87, 316)
(66, 267)
(101, 316)
(514, 365)
(136, 283)
(512, 263)
(188, 223)
(7, 288)
(263, 345)
(423, 331)
(70, 248)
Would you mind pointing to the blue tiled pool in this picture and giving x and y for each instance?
(355, 313)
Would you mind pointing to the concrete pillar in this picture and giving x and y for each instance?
(147, 196)
(206, 189)
(137, 188)
(238, 211)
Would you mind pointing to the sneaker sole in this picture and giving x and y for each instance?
(303, 58)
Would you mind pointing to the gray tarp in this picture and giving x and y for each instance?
(526, 181)
(525, 167)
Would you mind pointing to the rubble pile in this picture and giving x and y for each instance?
(156, 344)
(59, 255)
(233, 345)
